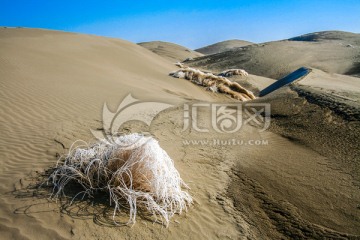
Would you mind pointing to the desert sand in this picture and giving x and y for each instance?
(222, 46)
(171, 51)
(333, 52)
(303, 183)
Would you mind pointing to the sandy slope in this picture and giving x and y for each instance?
(53, 87)
(222, 46)
(334, 53)
(170, 51)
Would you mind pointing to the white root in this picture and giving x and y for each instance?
(134, 168)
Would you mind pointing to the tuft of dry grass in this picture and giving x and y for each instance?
(231, 72)
(216, 83)
(133, 168)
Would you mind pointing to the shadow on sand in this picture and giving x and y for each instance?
(38, 197)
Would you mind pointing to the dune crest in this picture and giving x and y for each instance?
(333, 52)
(223, 46)
(170, 51)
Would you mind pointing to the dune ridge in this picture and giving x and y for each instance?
(332, 52)
(222, 46)
(172, 52)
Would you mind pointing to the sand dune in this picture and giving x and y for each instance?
(302, 184)
(348, 37)
(320, 115)
(222, 46)
(333, 52)
(53, 87)
(170, 51)
(335, 122)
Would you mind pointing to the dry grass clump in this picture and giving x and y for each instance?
(239, 96)
(134, 169)
(231, 72)
(216, 83)
(179, 64)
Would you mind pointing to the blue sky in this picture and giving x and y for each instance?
(190, 23)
